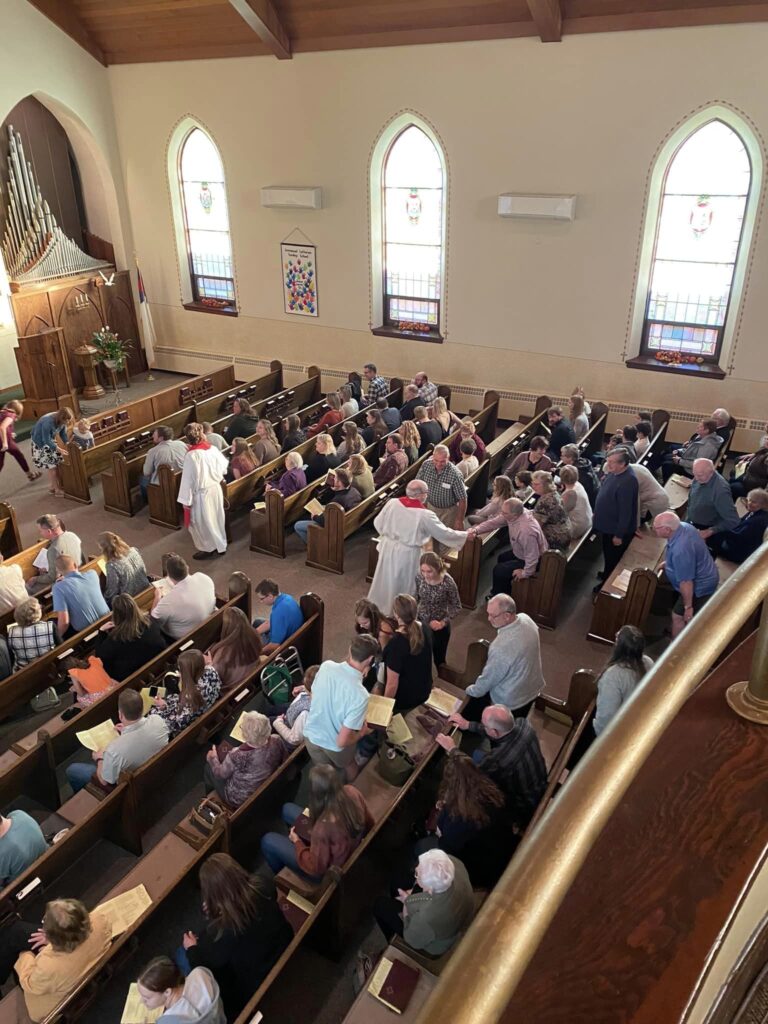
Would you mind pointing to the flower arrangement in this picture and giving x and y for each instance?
(675, 358)
(111, 349)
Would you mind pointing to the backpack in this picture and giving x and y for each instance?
(279, 678)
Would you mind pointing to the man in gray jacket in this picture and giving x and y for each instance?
(705, 444)
(710, 503)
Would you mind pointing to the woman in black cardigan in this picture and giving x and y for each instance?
(245, 930)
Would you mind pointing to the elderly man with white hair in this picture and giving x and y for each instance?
(744, 539)
(527, 541)
(689, 567)
(404, 525)
(723, 420)
(710, 502)
(412, 398)
(433, 913)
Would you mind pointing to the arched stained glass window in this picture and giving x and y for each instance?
(413, 236)
(698, 237)
(206, 220)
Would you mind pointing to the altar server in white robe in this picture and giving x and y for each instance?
(404, 526)
(201, 495)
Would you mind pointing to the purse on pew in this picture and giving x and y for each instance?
(280, 677)
(46, 700)
(205, 816)
(395, 763)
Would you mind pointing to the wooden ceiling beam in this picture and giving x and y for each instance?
(548, 18)
(62, 14)
(262, 17)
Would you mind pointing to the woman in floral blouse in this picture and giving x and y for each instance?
(550, 512)
(199, 689)
(438, 602)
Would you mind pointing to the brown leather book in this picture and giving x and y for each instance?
(393, 983)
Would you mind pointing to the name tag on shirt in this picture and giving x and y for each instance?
(447, 486)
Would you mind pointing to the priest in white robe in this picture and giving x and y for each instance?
(404, 526)
(201, 495)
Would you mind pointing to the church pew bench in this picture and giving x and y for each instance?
(213, 406)
(162, 497)
(44, 596)
(325, 547)
(170, 864)
(79, 466)
(614, 607)
(10, 538)
(59, 734)
(593, 440)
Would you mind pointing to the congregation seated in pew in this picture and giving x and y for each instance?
(266, 447)
(561, 432)
(339, 489)
(293, 479)
(527, 543)
(32, 636)
(90, 681)
(571, 456)
(751, 471)
(353, 442)
(199, 688)
(242, 423)
(12, 588)
(213, 438)
(293, 434)
(575, 502)
(549, 511)
(394, 462)
(236, 772)
(467, 432)
(533, 459)
(626, 666)
(60, 542)
(361, 476)
(162, 985)
(125, 570)
(704, 444)
(21, 843)
(167, 451)
(238, 650)
(322, 459)
(189, 601)
(739, 542)
(242, 461)
(128, 640)
(330, 418)
(468, 459)
(411, 440)
(285, 615)
(77, 598)
(501, 491)
(289, 725)
(390, 416)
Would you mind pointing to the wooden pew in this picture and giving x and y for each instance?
(44, 595)
(615, 607)
(215, 406)
(177, 409)
(162, 497)
(10, 538)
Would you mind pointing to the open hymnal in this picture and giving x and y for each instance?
(622, 580)
(148, 695)
(102, 564)
(237, 730)
(314, 507)
(41, 559)
(442, 702)
(121, 911)
(380, 710)
(99, 737)
(393, 983)
(135, 1012)
(398, 731)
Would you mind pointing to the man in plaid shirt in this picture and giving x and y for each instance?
(427, 390)
(378, 387)
(447, 496)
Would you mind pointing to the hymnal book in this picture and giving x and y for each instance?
(99, 737)
(295, 909)
(683, 481)
(398, 731)
(622, 580)
(148, 695)
(380, 710)
(237, 731)
(442, 702)
(393, 983)
(259, 506)
(41, 559)
(314, 507)
(121, 911)
(102, 564)
(135, 1012)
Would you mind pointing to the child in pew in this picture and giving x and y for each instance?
(213, 438)
(338, 819)
(199, 689)
(183, 1000)
(89, 679)
(290, 724)
(501, 491)
(468, 462)
(82, 435)
(523, 489)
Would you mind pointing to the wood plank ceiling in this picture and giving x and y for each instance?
(136, 31)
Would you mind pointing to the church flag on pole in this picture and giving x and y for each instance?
(147, 327)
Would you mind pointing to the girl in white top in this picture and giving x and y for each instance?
(579, 418)
(290, 725)
(575, 502)
(469, 462)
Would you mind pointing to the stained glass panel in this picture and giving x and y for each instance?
(206, 218)
(413, 229)
(697, 242)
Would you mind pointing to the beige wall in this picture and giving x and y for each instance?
(531, 306)
(38, 59)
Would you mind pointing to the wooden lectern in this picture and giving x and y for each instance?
(43, 364)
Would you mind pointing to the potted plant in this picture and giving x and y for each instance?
(111, 350)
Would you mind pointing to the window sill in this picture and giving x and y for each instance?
(392, 332)
(198, 307)
(710, 371)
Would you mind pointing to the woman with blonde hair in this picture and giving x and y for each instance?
(244, 768)
(443, 415)
(408, 657)
(11, 412)
(125, 572)
(266, 447)
(201, 495)
(352, 443)
(33, 636)
(238, 651)
(349, 405)
(500, 492)
(549, 511)
(362, 476)
(199, 689)
(575, 501)
(49, 445)
(243, 460)
(411, 440)
(322, 459)
(330, 418)
(437, 602)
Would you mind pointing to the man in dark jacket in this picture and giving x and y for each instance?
(744, 539)
(412, 400)
(390, 416)
(616, 509)
(561, 431)
(338, 489)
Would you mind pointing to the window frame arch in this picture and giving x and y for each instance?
(675, 140)
(178, 138)
(377, 234)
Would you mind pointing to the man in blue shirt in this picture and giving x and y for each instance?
(77, 597)
(285, 617)
(689, 567)
(21, 843)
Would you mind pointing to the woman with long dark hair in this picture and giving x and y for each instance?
(408, 657)
(337, 821)
(199, 688)
(626, 666)
(238, 651)
(245, 930)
